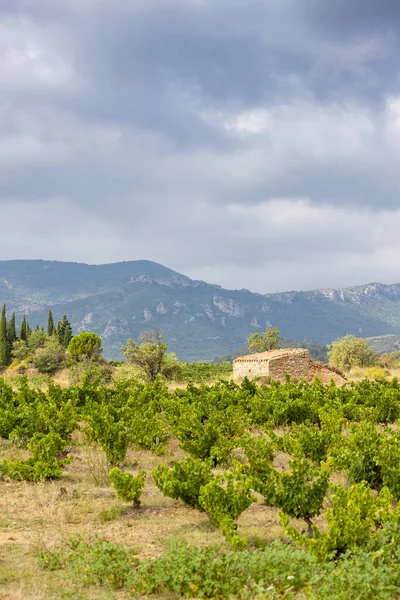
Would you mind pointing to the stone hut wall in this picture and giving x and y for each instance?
(250, 369)
(295, 365)
(274, 364)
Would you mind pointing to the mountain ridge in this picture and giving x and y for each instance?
(200, 320)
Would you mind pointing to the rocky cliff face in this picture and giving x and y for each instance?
(200, 321)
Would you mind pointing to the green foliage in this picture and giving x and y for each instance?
(144, 413)
(23, 334)
(387, 461)
(95, 563)
(207, 422)
(64, 332)
(355, 516)
(350, 351)
(184, 480)
(224, 498)
(277, 571)
(51, 330)
(45, 449)
(358, 452)
(150, 356)
(11, 331)
(85, 345)
(313, 441)
(50, 357)
(20, 350)
(376, 372)
(270, 339)
(4, 346)
(92, 369)
(128, 487)
(299, 492)
(37, 339)
(108, 430)
(30, 470)
(199, 372)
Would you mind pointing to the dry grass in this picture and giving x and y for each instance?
(40, 516)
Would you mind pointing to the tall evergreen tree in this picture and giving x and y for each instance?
(64, 332)
(11, 332)
(23, 334)
(4, 350)
(50, 324)
(28, 330)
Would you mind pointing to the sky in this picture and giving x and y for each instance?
(249, 143)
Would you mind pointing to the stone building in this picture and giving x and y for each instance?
(296, 362)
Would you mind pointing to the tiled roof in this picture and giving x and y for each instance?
(266, 356)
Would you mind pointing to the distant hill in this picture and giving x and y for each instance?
(385, 344)
(200, 320)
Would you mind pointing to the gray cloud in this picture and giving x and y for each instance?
(252, 143)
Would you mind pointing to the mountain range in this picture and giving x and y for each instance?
(200, 320)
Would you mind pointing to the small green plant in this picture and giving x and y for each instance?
(299, 492)
(376, 372)
(184, 480)
(224, 498)
(94, 563)
(354, 517)
(111, 514)
(44, 464)
(128, 487)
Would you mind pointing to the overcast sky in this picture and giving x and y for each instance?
(250, 143)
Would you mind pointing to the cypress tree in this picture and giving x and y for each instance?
(28, 330)
(23, 334)
(64, 332)
(11, 331)
(50, 324)
(4, 354)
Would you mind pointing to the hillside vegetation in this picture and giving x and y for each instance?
(200, 321)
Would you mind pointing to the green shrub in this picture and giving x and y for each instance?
(184, 480)
(128, 487)
(224, 498)
(354, 517)
(376, 372)
(93, 563)
(85, 345)
(45, 449)
(50, 358)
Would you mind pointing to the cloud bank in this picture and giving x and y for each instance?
(250, 143)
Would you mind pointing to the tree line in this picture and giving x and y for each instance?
(17, 343)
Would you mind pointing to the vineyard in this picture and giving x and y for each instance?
(224, 491)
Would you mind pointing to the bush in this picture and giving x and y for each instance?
(90, 369)
(353, 519)
(43, 464)
(37, 339)
(20, 350)
(127, 486)
(85, 345)
(50, 358)
(350, 351)
(94, 563)
(376, 372)
(184, 480)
